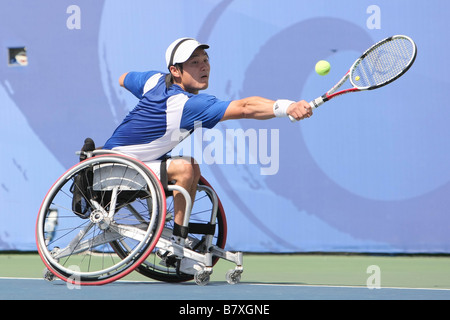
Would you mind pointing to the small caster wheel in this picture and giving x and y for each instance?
(202, 278)
(233, 276)
(48, 275)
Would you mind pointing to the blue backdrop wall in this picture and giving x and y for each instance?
(368, 173)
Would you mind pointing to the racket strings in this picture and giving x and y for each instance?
(383, 63)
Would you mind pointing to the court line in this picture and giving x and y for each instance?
(14, 278)
(335, 286)
(266, 284)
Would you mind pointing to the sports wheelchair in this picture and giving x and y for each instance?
(110, 215)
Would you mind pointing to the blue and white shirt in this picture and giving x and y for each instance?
(163, 116)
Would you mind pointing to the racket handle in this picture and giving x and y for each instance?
(314, 104)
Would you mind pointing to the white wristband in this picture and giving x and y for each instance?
(280, 107)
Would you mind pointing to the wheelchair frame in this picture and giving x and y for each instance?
(119, 176)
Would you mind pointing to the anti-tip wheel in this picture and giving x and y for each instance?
(202, 278)
(233, 276)
(48, 276)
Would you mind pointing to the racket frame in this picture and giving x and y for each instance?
(330, 94)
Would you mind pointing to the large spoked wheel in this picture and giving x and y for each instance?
(102, 200)
(200, 216)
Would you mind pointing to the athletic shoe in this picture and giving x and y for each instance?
(187, 265)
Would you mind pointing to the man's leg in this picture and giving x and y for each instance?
(186, 173)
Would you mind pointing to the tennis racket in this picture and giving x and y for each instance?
(379, 65)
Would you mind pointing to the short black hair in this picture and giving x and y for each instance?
(179, 66)
(169, 77)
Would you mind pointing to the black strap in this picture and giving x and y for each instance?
(163, 173)
(180, 231)
(175, 50)
(202, 228)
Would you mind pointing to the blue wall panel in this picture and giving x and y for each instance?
(368, 173)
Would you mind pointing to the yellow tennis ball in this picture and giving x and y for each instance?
(323, 67)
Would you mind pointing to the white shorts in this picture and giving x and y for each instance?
(155, 166)
(140, 152)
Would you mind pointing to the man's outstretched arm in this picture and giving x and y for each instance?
(262, 109)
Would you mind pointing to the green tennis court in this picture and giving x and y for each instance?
(430, 271)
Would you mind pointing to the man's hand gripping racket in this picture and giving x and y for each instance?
(379, 65)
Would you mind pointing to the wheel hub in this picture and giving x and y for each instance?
(100, 219)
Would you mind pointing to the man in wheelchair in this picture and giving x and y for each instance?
(170, 104)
